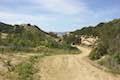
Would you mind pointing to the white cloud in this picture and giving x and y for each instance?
(61, 6)
(64, 14)
(13, 18)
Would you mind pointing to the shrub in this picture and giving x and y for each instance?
(2, 50)
(112, 63)
(25, 71)
(98, 52)
(116, 57)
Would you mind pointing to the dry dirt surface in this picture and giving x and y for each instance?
(71, 67)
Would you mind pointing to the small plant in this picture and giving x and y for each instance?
(111, 63)
(33, 59)
(98, 52)
(2, 50)
(25, 71)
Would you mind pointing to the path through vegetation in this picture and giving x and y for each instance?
(71, 67)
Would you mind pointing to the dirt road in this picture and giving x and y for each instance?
(71, 67)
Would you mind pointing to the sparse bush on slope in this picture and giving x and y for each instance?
(26, 36)
(108, 43)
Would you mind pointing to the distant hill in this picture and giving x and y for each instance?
(98, 29)
(24, 35)
(60, 33)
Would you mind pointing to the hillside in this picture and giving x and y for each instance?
(53, 60)
(98, 29)
(25, 35)
(6, 28)
(107, 51)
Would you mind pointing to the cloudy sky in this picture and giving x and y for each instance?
(59, 15)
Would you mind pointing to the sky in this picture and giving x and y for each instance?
(59, 15)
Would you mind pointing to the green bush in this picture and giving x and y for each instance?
(25, 71)
(116, 57)
(112, 63)
(2, 50)
(98, 52)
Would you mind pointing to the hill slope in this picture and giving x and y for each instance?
(108, 44)
(25, 35)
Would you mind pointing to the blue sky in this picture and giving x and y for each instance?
(59, 15)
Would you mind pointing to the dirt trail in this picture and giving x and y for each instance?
(71, 67)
